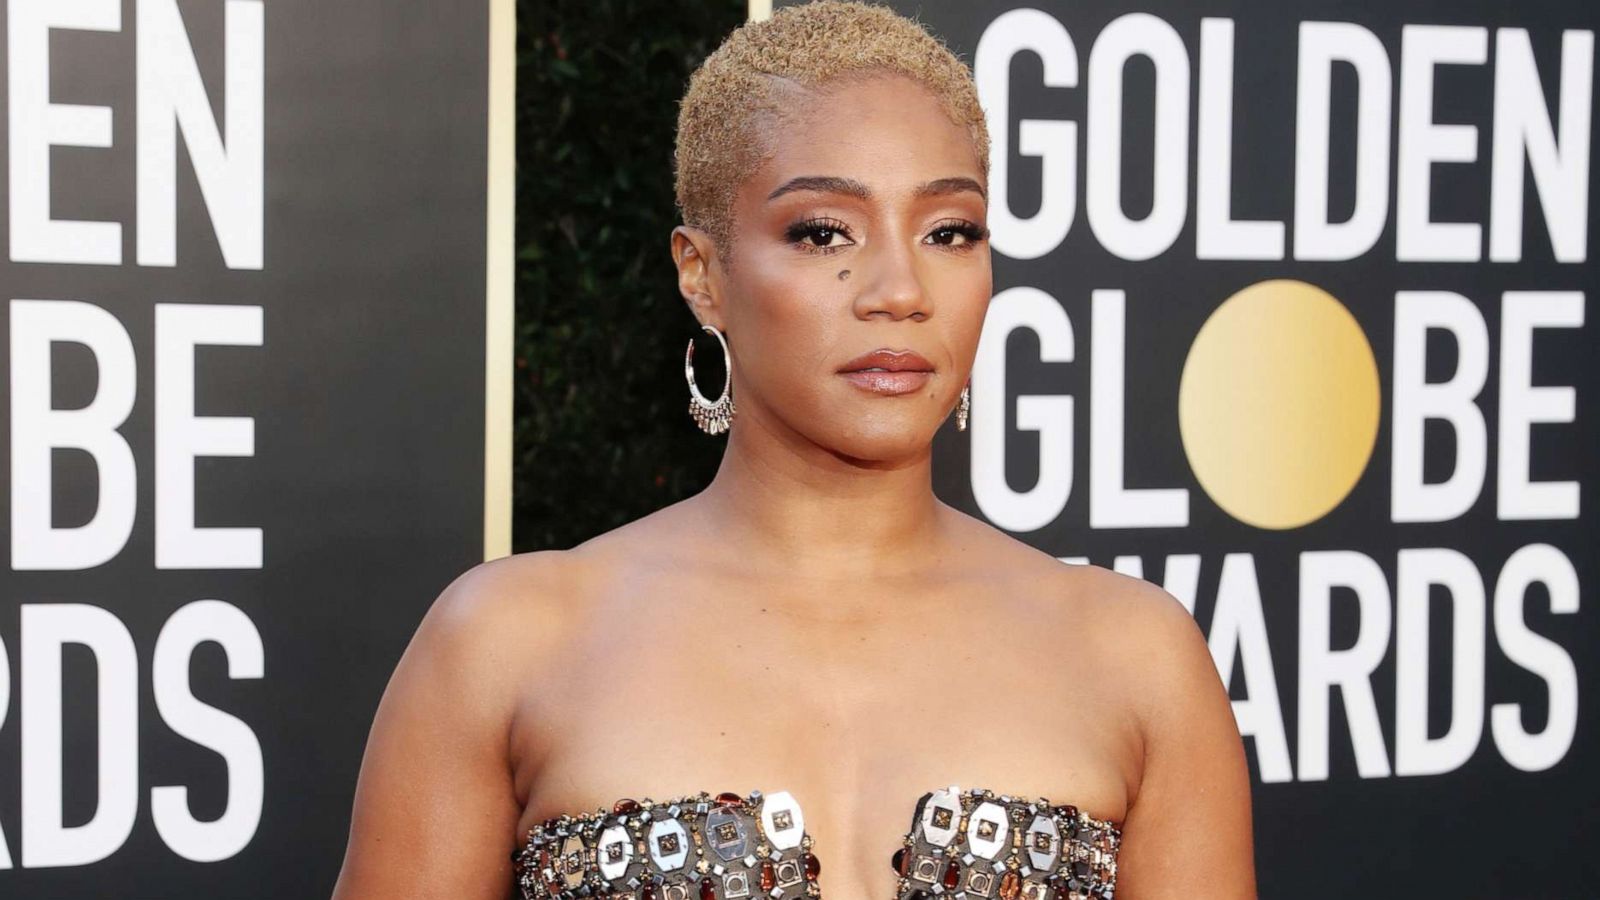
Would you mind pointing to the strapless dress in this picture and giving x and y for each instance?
(970, 845)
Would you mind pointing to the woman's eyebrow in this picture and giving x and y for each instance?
(951, 186)
(833, 184)
(827, 184)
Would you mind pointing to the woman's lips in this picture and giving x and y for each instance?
(878, 381)
(887, 371)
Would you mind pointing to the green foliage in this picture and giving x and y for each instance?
(603, 434)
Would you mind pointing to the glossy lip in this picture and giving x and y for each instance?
(891, 372)
(889, 360)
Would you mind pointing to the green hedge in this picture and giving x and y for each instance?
(603, 434)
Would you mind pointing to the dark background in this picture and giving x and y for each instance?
(603, 433)
(367, 476)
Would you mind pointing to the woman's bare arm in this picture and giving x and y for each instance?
(435, 809)
(1188, 832)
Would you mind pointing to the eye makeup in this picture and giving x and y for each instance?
(816, 234)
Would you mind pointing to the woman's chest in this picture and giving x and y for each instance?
(856, 721)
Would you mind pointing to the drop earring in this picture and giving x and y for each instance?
(963, 406)
(713, 416)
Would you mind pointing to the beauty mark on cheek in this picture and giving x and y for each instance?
(843, 274)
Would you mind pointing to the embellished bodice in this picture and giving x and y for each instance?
(973, 844)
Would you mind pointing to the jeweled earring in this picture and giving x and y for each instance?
(713, 417)
(963, 406)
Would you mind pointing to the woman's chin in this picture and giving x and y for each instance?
(884, 441)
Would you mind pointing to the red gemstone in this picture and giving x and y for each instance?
(901, 862)
(813, 867)
(729, 798)
(708, 889)
(952, 875)
(1010, 885)
(647, 891)
(768, 877)
(625, 807)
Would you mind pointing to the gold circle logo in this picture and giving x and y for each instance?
(1278, 405)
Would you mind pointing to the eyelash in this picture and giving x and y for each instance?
(798, 232)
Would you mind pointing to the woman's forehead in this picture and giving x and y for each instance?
(889, 134)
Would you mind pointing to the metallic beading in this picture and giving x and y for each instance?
(969, 845)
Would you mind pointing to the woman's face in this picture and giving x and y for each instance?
(865, 230)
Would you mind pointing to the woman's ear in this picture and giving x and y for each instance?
(695, 255)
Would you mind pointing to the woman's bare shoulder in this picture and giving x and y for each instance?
(1125, 604)
(1001, 552)
(504, 610)
(1130, 620)
(1157, 655)
(532, 596)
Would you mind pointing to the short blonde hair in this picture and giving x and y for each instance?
(719, 143)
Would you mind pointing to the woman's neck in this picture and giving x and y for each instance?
(783, 501)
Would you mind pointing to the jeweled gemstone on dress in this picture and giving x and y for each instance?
(952, 875)
(769, 877)
(781, 820)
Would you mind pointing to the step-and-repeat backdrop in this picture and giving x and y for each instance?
(246, 433)
(1291, 318)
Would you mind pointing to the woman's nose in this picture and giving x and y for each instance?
(892, 285)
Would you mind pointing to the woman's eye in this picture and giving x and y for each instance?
(967, 232)
(822, 236)
(819, 235)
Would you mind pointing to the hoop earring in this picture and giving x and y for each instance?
(964, 406)
(713, 416)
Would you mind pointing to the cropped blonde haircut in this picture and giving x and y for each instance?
(741, 84)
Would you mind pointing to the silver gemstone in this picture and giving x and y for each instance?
(668, 843)
(782, 821)
(940, 817)
(728, 833)
(987, 829)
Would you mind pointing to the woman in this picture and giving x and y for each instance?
(753, 691)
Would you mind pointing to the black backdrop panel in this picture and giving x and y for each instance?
(346, 265)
